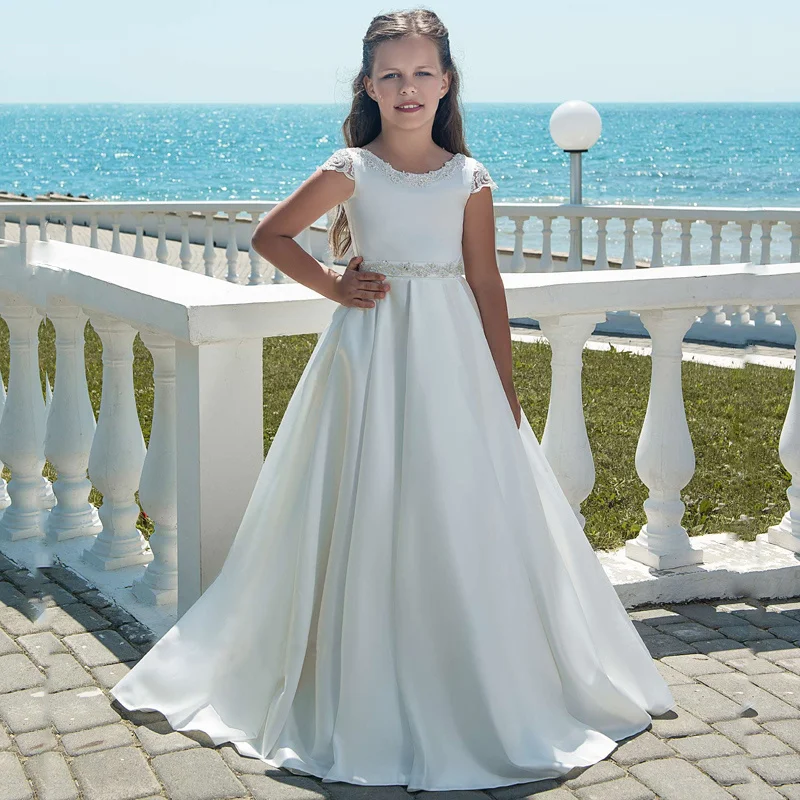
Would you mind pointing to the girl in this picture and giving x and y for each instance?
(409, 598)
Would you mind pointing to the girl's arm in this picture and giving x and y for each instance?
(273, 238)
(483, 276)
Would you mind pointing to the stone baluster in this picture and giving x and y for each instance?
(546, 260)
(232, 250)
(794, 241)
(161, 248)
(185, 254)
(657, 259)
(118, 453)
(2, 226)
(686, 242)
(116, 244)
(664, 455)
(138, 250)
(22, 427)
(68, 233)
(518, 256)
(715, 315)
(565, 442)
(93, 240)
(257, 263)
(787, 532)
(746, 240)
(5, 500)
(70, 429)
(628, 258)
(158, 485)
(766, 241)
(43, 237)
(209, 255)
(601, 260)
(574, 263)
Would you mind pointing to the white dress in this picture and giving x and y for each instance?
(409, 598)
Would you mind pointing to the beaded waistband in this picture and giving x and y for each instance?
(416, 269)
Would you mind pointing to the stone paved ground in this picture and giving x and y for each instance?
(734, 668)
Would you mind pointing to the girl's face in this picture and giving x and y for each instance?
(406, 72)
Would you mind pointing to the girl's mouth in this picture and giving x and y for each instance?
(408, 109)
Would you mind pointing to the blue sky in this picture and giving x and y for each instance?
(308, 51)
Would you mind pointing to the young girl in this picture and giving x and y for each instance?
(409, 598)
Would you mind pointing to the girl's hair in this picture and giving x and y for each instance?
(363, 123)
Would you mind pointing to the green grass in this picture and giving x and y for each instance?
(735, 418)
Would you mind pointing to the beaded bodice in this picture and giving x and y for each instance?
(408, 224)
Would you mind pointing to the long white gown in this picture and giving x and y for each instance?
(409, 598)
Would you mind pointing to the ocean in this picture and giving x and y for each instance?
(742, 154)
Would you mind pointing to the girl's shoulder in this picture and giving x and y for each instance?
(342, 160)
(478, 175)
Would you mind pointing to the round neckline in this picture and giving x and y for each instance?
(406, 172)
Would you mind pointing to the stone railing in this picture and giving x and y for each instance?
(614, 236)
(204, 335)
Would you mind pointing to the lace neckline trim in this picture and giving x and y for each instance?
(414, 177)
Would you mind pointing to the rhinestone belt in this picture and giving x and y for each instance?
(416, 269)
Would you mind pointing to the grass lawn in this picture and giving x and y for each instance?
(735, 418)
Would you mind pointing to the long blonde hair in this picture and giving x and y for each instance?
(363, 123)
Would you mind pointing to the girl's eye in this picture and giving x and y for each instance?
(421, 72)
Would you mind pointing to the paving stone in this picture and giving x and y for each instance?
(78, 709)
(737, 730)
(197, 774)
(661, 644)
(696, 664)
(64, 672)
(679, 722)
(789, 632)
(24, 711)
(10, 595)
(21, 621)
(15, 785)
(728, 770)
(117, 616)
(778, 770)
(689, 631)
(76, 618)
(644, 747)
(138, 635)
(791, 791)
(67, 578)
(596, 773)
(100, 647)
(723, 650)
(741, 689)
(707, 745)
(35, 742)
(786, 729)
(118, 774)
(8, 645)
(675, 779)
(754, 614)
(40, 646)
(50, 777)
(755, 790)
(789, 664)
(765, 744)
(621, 789)
(706, 703)
(92, 739)
(782, 684)
(263, 787)
(656, 616)
(774, 649)
(517, 791)
(744, 633)
(109, 675)
(18, 672)
(753, 665)
(6, 563)
(5, 739)
(25, 580)
(251, 766)
(705, 614)
(159, 738)
(670, 675)
(95, 598)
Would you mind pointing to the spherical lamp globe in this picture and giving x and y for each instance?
(575, 126)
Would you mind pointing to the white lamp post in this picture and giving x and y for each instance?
(575, 126)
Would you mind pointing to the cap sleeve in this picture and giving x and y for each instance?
(341, 161)
(481, 178)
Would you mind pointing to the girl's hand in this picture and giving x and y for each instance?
(516, 408)
(359, 289)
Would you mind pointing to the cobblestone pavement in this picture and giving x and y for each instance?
(734, 668)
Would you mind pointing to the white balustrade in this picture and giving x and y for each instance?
(565, 441)
(70, 428)
(158, 486)
(118, 452)
(664, 454)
